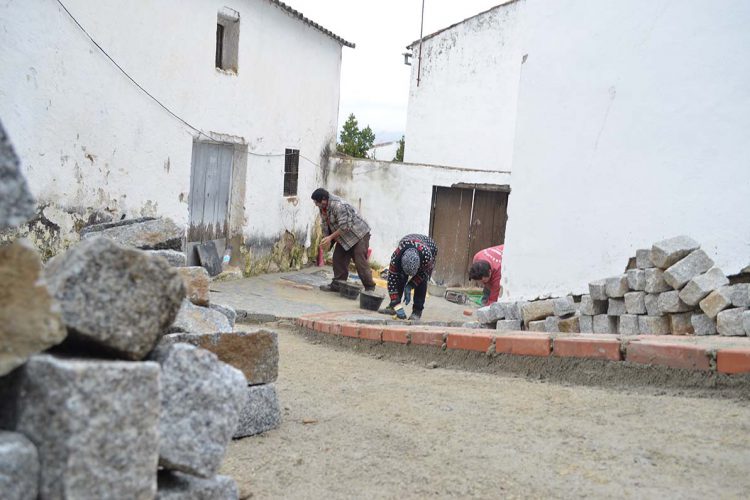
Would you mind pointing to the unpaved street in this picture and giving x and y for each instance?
(358, 425)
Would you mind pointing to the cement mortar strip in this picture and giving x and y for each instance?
(728, 355)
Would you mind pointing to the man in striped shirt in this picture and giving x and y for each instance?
(487, 268)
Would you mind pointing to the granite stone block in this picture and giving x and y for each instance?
(695, 263)
(667, 252)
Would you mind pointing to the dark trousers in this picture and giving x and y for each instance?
(418, 295)
(358, 252)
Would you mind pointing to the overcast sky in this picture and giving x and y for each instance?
(374, 79)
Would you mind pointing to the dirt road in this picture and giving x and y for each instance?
(358, 425)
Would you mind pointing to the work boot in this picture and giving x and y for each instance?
(331, 287)
(415, 316)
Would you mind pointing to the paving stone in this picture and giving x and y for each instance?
(636, 279)
(94, 424)
(512, 310)
(564, 306)
(655, 281)
(593, 307)
(651, 300)
(537, 326)
(604, 323)
(628, 325)
(174, 257)
(598, 290)
(654, 325)
(551, 324)
(16, 203)
(703, 325)
(30, 320)
(201, 400)
(539, 309)
(93, 228)
(227, 311)
(687, 268)
(118, 298)
(746, 322)
(681, 323)
(19, 467)
(490, 313)
(643, 258)
(667, 252)
(197, 319)
(616, 307)
(729, 322)
(260, 413)
(741, 295)
(255, 353)
(669, 302)
(569, 325)
(716, 301)
(586, 323)
(700, 286)
(178, 486)
(156, 234)
(635, 302)
(510, 325)
(196, 282)
(617, 286)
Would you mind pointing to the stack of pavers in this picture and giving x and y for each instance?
(671, 288)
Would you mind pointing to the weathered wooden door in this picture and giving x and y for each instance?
(210, 189)
(462, 222)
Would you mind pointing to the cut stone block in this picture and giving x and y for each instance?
(490, 313)
(118, 298)
(746, 322)
(196, 282)
(569, 325)
(260, 412)
(605, 324)
(700, 286)
(598, 290)
(178, 486)
(643, 259)
(741, 295)
(536, 310)
(617, 286)
(510, 325)
(537, 326)
(697, 262)
(94, 228)
(651, 301)
(174, 257)
(564, 306)
(156, 234)
(227, 311)
(551, 324)
(655, 281)
(681, 324)
(201, 400)
(654, 325)
(94, 424)
(667, 252)
(636, 279)
(703, 325)
(628, 325)
(197, 319)
(16, 203)
(19, 467)
(616, 307)
(586, 323)
(593, 307)
(729, 322)
(512, 310)
(669, 302)
(716, 301)
(635, 302)
(254, 353)
(30, 320)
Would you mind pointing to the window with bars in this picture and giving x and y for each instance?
(291, 171)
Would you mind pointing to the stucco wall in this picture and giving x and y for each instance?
(396, 198)
(633, 126)
(462, 114)
(88, 137)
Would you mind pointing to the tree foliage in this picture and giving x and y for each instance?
(355, 142)
(400, 151)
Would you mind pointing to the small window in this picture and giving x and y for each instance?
(291, 171)
(227, 40)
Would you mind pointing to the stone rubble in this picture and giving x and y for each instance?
(178, 486)
(196, 281)
(149, 234)
(19, 467)
(174, 257)
(197, 319)
(261, 411)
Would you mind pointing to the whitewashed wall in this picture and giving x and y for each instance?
(395, 198)
(88, 137)
(633, 126)
(462, 114)
(383, 152)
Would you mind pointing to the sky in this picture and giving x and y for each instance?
(374, 78)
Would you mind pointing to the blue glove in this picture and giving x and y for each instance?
(400, 313)
(407, 293)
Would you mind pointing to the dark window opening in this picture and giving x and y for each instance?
(227, 40)
(291, 171)
(219, 45)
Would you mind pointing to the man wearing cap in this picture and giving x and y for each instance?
(411, 266)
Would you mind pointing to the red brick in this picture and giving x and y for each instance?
(425, 337)
(369, 332)
(688, 357)
(396, 335)
(350, 330)
(323, 326)
(469, 341)
(735, 360)
(586, 347)
(528, 344)
(335, 329)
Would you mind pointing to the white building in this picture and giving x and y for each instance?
(384, 151)
(219, 115)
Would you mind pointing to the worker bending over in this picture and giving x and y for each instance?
(411, 266)
(487, 268)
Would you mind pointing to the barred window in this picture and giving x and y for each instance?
(291, 171)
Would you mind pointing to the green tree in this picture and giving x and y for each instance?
(355, 142)
(400, 151)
